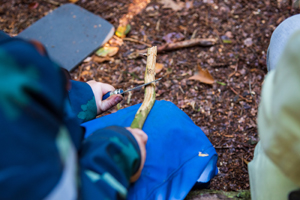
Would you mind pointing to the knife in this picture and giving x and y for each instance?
(120, 91)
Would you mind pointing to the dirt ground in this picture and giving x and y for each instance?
(225, 111)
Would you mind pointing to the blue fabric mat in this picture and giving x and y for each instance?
(178, 152)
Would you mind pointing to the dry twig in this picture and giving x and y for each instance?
(235, 92)
(187, 43)
(178, 45)
(53, 2)
(137, 41)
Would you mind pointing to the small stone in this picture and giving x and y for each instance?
(229, 34)
(248, 42)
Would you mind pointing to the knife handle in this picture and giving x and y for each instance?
(117, 91)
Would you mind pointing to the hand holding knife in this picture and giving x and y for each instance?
(120, 91)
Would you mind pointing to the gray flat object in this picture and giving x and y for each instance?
(70, 34)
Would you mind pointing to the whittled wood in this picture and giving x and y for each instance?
(149, 98)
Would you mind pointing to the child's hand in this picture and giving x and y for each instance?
(100, 89)
(141, 137)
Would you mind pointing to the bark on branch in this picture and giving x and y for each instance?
(149, 98)
(186, 43)
(178, 45)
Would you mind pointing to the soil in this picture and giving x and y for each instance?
(225, 111)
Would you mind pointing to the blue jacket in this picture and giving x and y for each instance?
(43, 151)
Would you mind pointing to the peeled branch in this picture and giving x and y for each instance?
(149, 98)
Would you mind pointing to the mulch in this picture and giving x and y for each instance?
(226, 112)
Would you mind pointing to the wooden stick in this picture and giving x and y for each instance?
(53, 2)
(187, 43)
(137, 41)
(149, 98)
(178, 45)
(235, 92)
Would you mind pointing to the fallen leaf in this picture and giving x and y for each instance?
(115, 41)
(107, 51)
(203, 76)
(73, 1)
(226, 39)
(102, 59)
(248, 42)
(158, 67)
(33, 5)
(185, 103)
(173, 37)
(182, 28)
(122, 31)
(189, 4)
(88, 59)
(221, 83)
(84, 73)
(173, 5)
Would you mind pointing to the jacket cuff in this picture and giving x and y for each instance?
(123, 131)
(82, 101)
(120, 147)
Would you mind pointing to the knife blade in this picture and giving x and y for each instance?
(120, 91)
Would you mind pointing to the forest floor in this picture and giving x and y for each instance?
(225, 111)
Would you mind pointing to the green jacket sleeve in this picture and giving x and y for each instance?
(279, 112)
(82, 101)
(108, 158)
